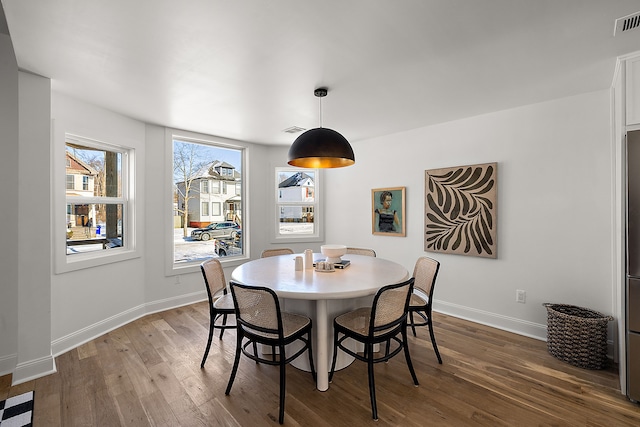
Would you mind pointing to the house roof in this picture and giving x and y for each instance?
(208, 170)
(295, 180)
(83, 167)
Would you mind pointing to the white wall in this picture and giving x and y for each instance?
(34, 250)
(86, 302)
(554, 208)
(554, 234)
(9, 207)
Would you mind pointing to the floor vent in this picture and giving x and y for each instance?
(627, 23)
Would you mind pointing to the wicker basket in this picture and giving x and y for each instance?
(577, 335)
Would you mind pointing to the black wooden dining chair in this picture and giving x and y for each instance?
(361, 251)
(220, 301)
(275, 252)
(384, 322)
(424, 273)
(260, 321)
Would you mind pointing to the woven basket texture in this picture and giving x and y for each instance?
(577, 335)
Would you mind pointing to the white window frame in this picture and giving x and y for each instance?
(129, 250)
(204, 186)
(205, 208)
(171, 268)
(73, 181)
(318, 216)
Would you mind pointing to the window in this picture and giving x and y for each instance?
(201, 208)
(98, 217)
(296, 203)
(215, 208)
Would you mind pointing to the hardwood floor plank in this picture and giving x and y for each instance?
(147, 373)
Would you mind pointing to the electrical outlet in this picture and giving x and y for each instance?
(521, 296)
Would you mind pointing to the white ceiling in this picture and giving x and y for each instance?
(246, 69)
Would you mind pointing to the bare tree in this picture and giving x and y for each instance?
(186, 164)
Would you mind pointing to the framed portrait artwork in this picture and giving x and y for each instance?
(388, 211)
(460, 210)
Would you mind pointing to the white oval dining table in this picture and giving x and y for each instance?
(321, 296)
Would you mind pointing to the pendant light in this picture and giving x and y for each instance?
(321, 147)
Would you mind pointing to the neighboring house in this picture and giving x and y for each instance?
(215, 195)
(80, 181)
(299, 187)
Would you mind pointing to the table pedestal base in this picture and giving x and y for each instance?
(322, 316)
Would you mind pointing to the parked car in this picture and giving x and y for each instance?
(215, 229)
(230, 246)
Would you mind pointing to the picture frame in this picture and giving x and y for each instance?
(461, 206)
(388, 211)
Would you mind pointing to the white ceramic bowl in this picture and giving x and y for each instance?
(333, 252)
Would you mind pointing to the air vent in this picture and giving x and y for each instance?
(627, 23)
(293, 129)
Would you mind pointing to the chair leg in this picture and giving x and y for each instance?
(282, 383)
(413, 326)
(236, 362)
(255, 350)
(433, 339)
(224, 322)
(206, 350)
(310, 351)
(405, 345)
(372, 385)
(388, 347)
(335, 354)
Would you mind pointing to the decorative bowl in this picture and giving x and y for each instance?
(333, 252)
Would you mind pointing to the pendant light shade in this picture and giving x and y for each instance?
(321, 147)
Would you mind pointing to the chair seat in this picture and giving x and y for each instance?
(418, 299)
(291, 324)
(358, 321)
(224, 302)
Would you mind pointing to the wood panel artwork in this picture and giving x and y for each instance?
(460, 210)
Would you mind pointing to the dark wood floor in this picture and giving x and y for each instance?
(148, 373)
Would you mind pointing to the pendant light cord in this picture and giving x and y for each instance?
(320, 110)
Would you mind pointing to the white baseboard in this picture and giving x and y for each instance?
(506, 323)
(33, 369)
(510, 324)
(7, 364)
(73, 340)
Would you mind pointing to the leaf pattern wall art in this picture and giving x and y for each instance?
(460, 210)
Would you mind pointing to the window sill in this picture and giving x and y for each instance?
(90, 260)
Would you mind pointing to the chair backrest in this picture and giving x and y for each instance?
(361, 251)
(213, 275)
(257, 309)
(390, 307)
(275, 252)
(425, 273)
